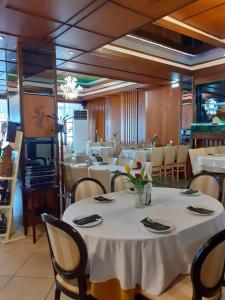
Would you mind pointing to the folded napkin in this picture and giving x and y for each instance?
(103, 163)
(154, 225)
(200, 210)
(135, 168)
(86, 220)
(190, 192)
(103, 199)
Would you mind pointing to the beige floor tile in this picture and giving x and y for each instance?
(51, 295)
(24, 288)
(24, 246)
(38, 265)
(11, 262)
(3, 280)
(43, 247)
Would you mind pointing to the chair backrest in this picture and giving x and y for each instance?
(148, 168)
(182, 153)
(125, 161)
(194, 153)
(67, 248)
(120, 182)
(78, 172)
(110, 160)
(118, 149)
(86, 187)
(81, 158)
(104, 176)
(170, 155)
(157, 156)
(206, 183)
(207, 272)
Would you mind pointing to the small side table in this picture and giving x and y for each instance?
(36, 202)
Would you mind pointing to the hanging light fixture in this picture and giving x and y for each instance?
(70, 89)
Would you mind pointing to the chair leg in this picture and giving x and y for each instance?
(185, 173)
(178, 177)
(172, 170)
(57, 293)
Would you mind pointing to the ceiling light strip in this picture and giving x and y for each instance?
(172, 20)
(157, 44)
(163, 61)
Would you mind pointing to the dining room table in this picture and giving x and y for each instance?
(125, 256)
(103, 151)
(142, 155)
(211, 163)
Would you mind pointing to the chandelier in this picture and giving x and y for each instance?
(70, 89)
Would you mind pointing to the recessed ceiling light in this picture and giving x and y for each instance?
(71, 52)
(1, 37)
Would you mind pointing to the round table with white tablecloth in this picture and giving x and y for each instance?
(104, 151)
(123, 253)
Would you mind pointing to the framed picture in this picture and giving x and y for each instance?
(36, 109)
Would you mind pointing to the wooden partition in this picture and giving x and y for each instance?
(137, 115)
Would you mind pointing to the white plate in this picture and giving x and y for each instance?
(191, 195)
(161, 221)
(199, 214)
(92, 224)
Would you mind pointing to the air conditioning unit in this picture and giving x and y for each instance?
(80, 131)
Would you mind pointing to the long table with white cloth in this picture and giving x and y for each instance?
(211, 163)
(125, 257)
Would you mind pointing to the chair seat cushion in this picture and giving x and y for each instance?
(180, 289)
(71, 284)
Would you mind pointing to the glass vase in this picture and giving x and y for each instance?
(148, 193)
(139, 197)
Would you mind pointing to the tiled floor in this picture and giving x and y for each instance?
(26, 271)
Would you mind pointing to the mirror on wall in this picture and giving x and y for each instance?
(186, 108)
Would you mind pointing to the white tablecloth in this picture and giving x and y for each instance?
(210, 163)
(140, 155)
(106, 151)
(122, 248)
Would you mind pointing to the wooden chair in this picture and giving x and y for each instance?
(86, 187)
(157, 156)
(103, 176)
(69, 259)
(194, 153)
(206, 183)
(180, 165)
(169, 161)
(207, 274)
(120, 182)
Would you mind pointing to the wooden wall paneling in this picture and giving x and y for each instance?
(129, 116)
(112, 116)
(163, 114)
(141, 123)
(96, 118)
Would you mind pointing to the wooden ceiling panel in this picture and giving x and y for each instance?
(54, 9)
(110, 73)
(154, 9)
(211, 21)
(81, 39)
(121, 21)
(66, 53)
(20, 24)
(195, 8)
(127, 63)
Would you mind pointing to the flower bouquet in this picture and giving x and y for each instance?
(154, 139)
(142, 185)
